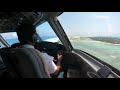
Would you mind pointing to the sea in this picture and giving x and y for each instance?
(47, 38)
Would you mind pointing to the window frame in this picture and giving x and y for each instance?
(4, 42)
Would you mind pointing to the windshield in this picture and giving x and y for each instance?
(97, 33)
(46, 33)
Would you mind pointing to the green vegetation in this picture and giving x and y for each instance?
(113, 40)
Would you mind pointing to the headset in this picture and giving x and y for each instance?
(35, 37)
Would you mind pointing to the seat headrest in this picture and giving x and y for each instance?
(28, 63)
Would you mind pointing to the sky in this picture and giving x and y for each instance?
(82, 24)
(91, 23)
(10, 35)
(45, 30)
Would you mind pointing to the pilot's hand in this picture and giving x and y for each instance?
(59, 53)
(59, 56)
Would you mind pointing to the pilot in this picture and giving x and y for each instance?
(25, 32)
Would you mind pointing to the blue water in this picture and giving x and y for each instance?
(48, 37)
(12, 41)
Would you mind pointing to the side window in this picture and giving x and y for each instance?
(46, 33)
(10, 37)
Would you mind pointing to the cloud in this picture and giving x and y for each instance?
(101, 16)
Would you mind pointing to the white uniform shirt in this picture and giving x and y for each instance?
(48, 59)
